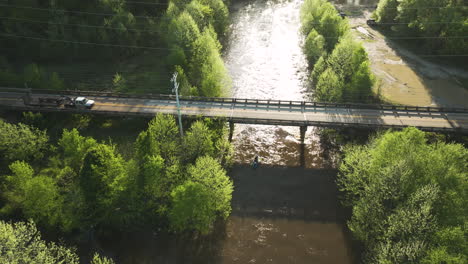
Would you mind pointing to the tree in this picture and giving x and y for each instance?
(21, 142)
(207, 70)
(55, 83)
(329, 87)
(73, 147)
(34, 76)
(197, 142)
(97, 259)
(314, 46)
(361, 84)
(205, 196)
(386, 11)
(37, 197)
(405, 195)
(21, 243)
(102, 179)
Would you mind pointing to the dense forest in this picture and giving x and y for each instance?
(77, 183)
(340, 66)
(441, 25)
(158, 37)
(408, 197)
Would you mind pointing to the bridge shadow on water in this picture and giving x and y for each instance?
(286, 192)
(280, 215)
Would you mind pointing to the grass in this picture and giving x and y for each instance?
(143, 73)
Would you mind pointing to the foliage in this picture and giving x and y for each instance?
(340, 65)
(329, 87)
(314, 47)
(102, 180)
(193, 28)
(21, 243)
(207, 67)
(202, 198)
(97, 259)
(87, 184)
(34, 119)
(408, 198)
(198, 142)
(73, 148)
(21, 142)
(32, 76)
(442, 26)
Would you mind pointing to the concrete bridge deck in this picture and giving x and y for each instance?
(252, 111)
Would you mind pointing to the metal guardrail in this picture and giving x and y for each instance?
(240, 120)
(248, 102)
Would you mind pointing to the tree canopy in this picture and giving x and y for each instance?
(340, 66)
(408, 198)
(438, 24)
(21, 243)
(21, 142)
(205, 195)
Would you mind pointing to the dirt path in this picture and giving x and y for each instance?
(406, 78)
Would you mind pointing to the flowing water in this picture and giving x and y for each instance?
(266, 61)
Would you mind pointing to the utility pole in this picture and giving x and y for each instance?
(176, 90)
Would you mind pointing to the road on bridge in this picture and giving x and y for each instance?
(283, 113)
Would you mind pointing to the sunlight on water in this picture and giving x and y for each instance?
(265, 59)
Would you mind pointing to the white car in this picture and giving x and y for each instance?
(84, 102)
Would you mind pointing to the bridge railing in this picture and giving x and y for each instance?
(245, 120)
(248, 102)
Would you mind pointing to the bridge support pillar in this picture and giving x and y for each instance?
(303, 130)
(231, 130)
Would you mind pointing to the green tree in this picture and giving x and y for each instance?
(33, 76)
(103, 179)
(21, 142)
(161, 138)
(207, 71)
(73, 148)
(386, 11)
(198, 202)
(406, 196)
(197, 142)
(329, 87)
(37, 197)
(21, 243)
(361, 84)
(314, 46)
(97, 259)
(55, 83)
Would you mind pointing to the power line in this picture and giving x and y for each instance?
(145, 3)
(148, 30)
(150, 17)
(86, 43)
(158, 48)
(76, 25)
(69, 11)
(412, 8)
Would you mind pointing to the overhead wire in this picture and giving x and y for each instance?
(148, 30)
(88, 43)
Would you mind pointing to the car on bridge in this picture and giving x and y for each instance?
(79, 102)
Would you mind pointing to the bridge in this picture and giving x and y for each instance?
(253, 111)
